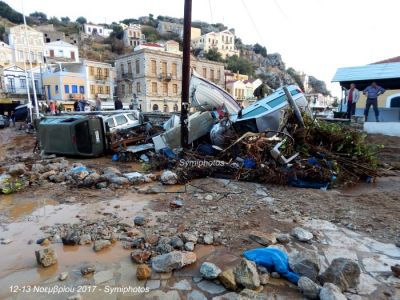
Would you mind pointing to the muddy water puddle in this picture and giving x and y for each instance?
(27, 216)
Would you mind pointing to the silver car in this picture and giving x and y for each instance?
(123, 120)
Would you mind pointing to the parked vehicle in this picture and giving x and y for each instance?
(123, 120)
(4, 121)
(21, 113)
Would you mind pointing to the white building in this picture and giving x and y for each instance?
(133, 36)
(61, 51)
(15, 83)
(6, 54)
(91, 29)
(17, 40)
(223, 41)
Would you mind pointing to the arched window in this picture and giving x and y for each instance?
(166, 108)
(155, 107)
(175, 107)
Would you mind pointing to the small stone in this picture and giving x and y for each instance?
(71, 238)
(264, 278)
(182, 285)
(75, 297)
(143, 272)
(153, 284)
(46, 257)
(100, 245)
(102, 185)
(88, 269)
(197, 279)
(138, 243)
(140, 256)
(309, 288)
(275, 275)
(342, 272)
(176, 242)
(172, 261)
(164, 248)
(227, 278)
(208, 239)
(189, 237)
(196, 295)
(331, 292)
(189, 246)
(209, 198)
(209, 270)
(85, 239)
(63, 276)
(168, 177)
(6, 241)
(251, 294)
(246, 274)
(305, 263)
(139, 221)
(302, 235)
(17, 169)
(396, 270)
(262, 238)
(283, 238)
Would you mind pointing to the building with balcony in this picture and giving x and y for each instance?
(17, 41)
(16, 83)
(133, 36)
(88, 80)
(242, 91)
(60, 52)
(151, 79)
(223, 42)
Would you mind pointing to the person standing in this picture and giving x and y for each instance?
(352, 97)
(52, 108)
(98, 104)
(12, 116)
(372, 92)
(118, 104)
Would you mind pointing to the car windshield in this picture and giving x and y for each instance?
(121, 120)
(111, 122)
(131, 117)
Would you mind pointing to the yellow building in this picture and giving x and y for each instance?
(87, 80)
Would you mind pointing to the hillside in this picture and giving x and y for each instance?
(254, 60)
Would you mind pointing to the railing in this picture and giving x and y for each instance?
(14, 90)
(128, 75)
(165, 76)
(101, 77)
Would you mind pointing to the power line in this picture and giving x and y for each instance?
(280, 9)
(252, 21)
(211, 13)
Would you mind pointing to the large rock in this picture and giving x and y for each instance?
(143, 272)
(118, 180)
(17, 169)
(262, 238)
(301, 234)
(140, 256)
(227, 278)
(189, 237)
(168, 177)
(176, 242)
(46, 257)
(342, 272)
(246, 274)
(305, 263)
(172, 261)
(101, 244)
(91, 179)
(309, 288)
(71, 238)
(331, 292)
(209, 270)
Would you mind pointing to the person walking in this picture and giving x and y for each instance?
(352, 97)
(12, 116)
(372, 92)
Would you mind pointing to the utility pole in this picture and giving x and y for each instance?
(187, 24)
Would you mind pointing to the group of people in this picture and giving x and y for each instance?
(372, 93)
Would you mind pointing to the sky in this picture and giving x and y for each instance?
(313, 36)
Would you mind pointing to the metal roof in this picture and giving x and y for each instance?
(368, 72)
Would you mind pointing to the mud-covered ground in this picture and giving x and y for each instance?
(229, 209)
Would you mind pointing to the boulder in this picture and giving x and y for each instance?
(168, 177)
(262, 238)
(85, 239)
(342, 272)
(209, 270)
(143, 272)
(140, 256)
(38, 168)
(112, 171)
(246, 274)
(17, 169)
(118, 180)
(208, 239)
(305, 263)
(46, 257)
(189, 246)
(309, 288)
(301, 234)
(135, 177)
(331, 292)
(189, 237)
(71, 238)
(283, 238)
(92, 179)
(176, 242)
(100, 245)
(227, 278)
(63, 276)
(139, 221)
(172, 261)
(163, 248)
